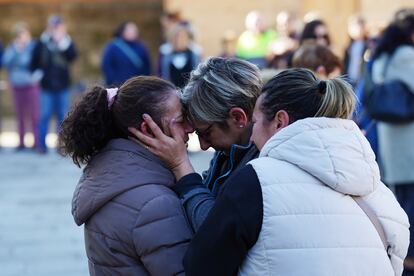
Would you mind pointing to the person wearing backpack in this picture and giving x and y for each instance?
(395, 51)
(125, 56)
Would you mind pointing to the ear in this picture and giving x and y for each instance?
(238, 117)
(321, 71)
(281, 120)
(144, 127)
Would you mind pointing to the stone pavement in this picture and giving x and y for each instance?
(37, 234)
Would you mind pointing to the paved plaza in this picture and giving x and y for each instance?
(37, 233)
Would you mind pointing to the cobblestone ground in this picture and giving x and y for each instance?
(37, 232)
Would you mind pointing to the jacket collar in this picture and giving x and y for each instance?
(121, 144)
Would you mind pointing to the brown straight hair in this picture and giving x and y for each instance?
(91, 123)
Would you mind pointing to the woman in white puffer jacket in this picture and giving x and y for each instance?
(294, 210)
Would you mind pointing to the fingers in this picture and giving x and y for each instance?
(153, 126)
(142, 138)
(154, 151)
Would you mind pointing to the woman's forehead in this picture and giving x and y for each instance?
(173, 105)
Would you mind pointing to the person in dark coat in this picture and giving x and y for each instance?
(52, 57)
(134, 223)
(125, 56)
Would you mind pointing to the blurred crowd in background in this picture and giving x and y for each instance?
(38, 69)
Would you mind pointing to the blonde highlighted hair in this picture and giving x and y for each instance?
(300, 93)
(219, 84)
(339, 100)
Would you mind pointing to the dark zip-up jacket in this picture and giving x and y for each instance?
(198, 194)
(231, 228)
(54, 63)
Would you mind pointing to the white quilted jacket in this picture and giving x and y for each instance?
(311, 226)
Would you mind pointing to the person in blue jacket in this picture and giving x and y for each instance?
(125, 56)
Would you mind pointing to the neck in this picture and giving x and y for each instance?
(245, 135)
(244, 139)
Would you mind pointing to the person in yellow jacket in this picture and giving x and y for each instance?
(254, 43)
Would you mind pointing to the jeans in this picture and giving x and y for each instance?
(26, 101)
(52, 102)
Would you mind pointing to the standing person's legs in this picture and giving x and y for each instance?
(405, 196)
(19, 102)
(46, 111)
(33, 111)
(62, 106)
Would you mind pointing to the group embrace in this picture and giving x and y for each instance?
(293, 187)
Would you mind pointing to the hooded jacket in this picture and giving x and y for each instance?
(307, 173)
(134, 223)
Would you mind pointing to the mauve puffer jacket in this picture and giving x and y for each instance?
(134, 222)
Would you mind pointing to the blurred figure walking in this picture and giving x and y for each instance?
(255, 42)
(180, 55)
(287, 42)
(316, 30)
(125, 56)
(24, 84)
(354, 53)
(52, 56)
(394, 60)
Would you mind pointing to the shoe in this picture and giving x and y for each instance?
(20, 148)
(41, 151)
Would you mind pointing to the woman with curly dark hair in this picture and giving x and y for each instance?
(134, 223)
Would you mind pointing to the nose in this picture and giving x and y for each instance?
(204, 145)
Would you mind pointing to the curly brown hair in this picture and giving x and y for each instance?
(91, 124)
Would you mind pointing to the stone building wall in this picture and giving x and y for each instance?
(91, 24)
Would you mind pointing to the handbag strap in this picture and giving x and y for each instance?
(374, 220)
(132, 56)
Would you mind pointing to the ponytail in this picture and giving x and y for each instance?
(87, 127)
(338, 100)
(95, 120)
(302, 95)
